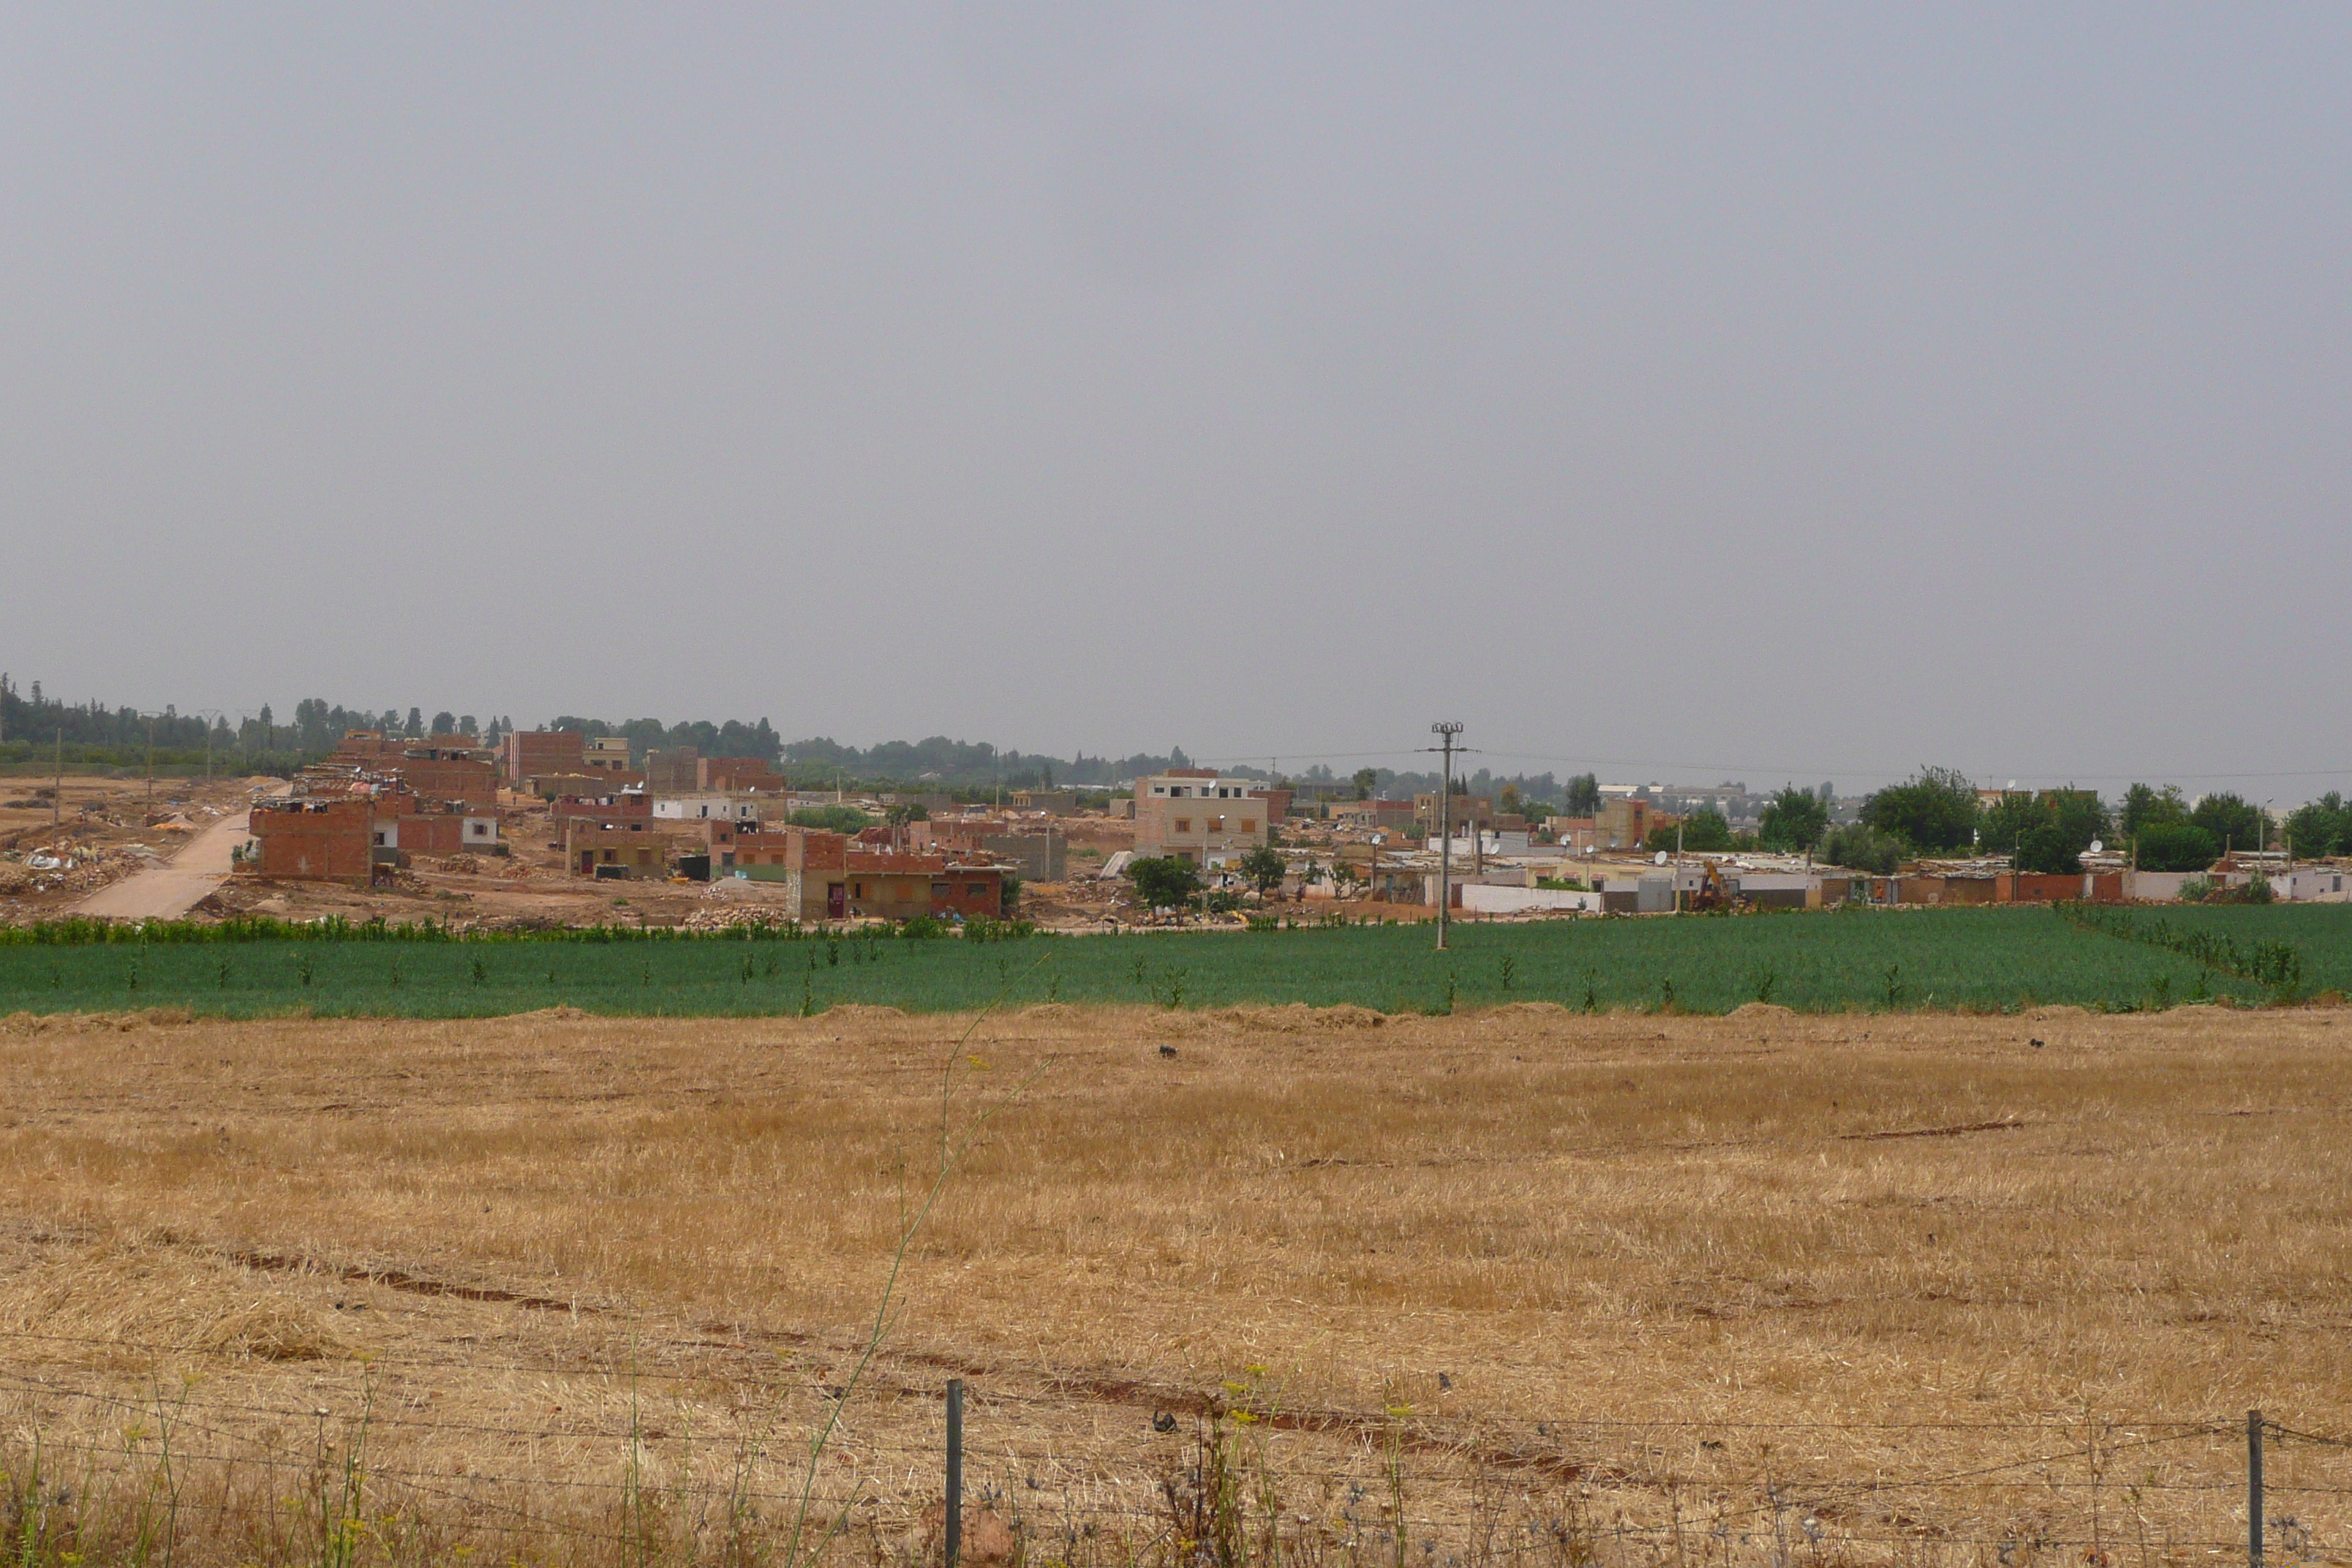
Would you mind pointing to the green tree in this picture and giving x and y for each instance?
(2176, 847)
(2318, 828)
(2014, 816)
(1583, 795)
(832, 818)
(2230, 819)
(1366, 781)
(1508, 802)
(1794, 821)
(1164, 883)
(2079, 814)
(1935, 810)
(2146, 806)
(2046, 849)
(902, 811)
(2047, 831)
(1701, 831)
(445, 724)
(1858, 846)
(1264, 869)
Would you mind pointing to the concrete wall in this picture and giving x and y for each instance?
(1480, 897)
(703, 808)
(1035, 856)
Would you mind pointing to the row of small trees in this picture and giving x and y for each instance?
(1170, 882)
(2044, 831)
(2047, 831)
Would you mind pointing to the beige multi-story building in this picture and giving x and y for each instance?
(1467, 810)
(1192, 812)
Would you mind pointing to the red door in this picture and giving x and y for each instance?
(836, 900)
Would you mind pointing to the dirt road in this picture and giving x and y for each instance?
(168, 890)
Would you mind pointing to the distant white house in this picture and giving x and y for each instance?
(706, 809)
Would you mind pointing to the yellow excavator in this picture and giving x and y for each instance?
(1712, 891)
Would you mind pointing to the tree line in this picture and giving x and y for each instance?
(1939, 811)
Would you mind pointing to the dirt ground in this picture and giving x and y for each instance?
(1617, 1288)
(104, 830)
(529, 886)
(107, 835)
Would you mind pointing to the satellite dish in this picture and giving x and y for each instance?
(1659, 858)
(2096, 847)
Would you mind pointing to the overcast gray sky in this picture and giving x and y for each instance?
(1764, 391)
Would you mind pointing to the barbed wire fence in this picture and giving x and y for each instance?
(191, 1470)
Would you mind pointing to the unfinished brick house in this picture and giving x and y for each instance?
(759, 857)
(607, 754)
(738, 775)
(528, 754)
(310, 839)
(618, 810)
(1039, 854)
(633, 852)
(673, 771)
(438, 772)
(827, 880)
(897, 886)
(1392, 815)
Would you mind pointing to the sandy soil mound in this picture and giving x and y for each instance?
(1757, 1012)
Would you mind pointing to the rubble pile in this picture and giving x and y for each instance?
(732, 918)
(66, 867)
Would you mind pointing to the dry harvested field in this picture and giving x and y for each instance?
(1550, 1288)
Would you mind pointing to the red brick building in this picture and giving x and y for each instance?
(527, 754)
(617, 810)
(738, 775)
(310, 839)
(444, 773)
(826, 878)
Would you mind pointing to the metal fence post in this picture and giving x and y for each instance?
(2253, 1489)
(955, 1471)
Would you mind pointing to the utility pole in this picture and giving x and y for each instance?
(954, 1511)
(1445, 730)
(2253, 1489)
(58, 794)
(151, 761)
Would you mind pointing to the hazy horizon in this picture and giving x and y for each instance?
(1810, 394)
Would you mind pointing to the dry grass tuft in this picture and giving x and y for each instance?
(1296, 1017)
(122, 1302)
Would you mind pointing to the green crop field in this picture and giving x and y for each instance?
(1985, 960)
